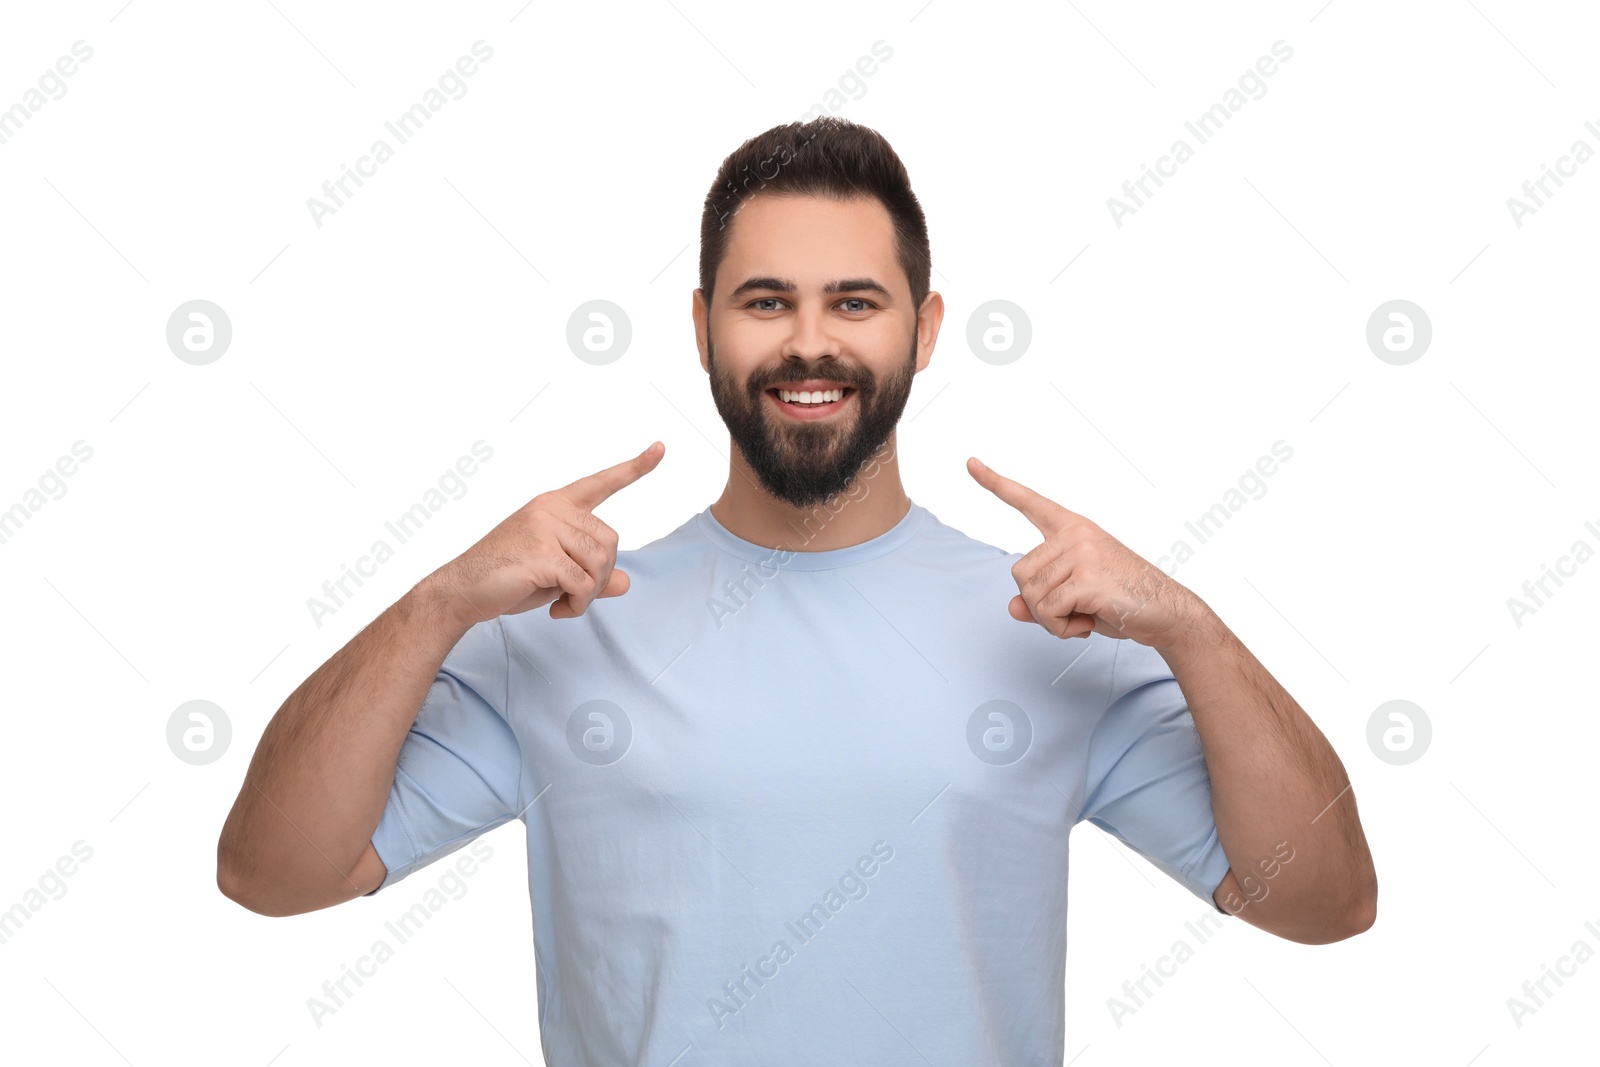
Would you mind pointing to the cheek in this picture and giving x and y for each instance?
(744, 342)
(887, 335)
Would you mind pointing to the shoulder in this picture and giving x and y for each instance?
(670, 553)
(949, 547)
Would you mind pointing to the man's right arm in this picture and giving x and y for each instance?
(299, 837)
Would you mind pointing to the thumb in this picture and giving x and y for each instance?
(616, 585)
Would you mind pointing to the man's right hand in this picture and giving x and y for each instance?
(553, 548)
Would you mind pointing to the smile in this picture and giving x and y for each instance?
(802, 409)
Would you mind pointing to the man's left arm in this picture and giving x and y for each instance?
(1299, 865)
(1285, 813)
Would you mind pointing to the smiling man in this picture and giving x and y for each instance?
(816, 364)
(797, 778)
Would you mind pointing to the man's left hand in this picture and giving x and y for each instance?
(1083, 580)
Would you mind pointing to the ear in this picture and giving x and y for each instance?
(929, 318)
(699, 313)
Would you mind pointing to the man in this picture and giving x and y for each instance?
(798, 777)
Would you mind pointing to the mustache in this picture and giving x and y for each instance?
(853, 379)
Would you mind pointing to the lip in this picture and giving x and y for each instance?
(811, 385)
(815, 411)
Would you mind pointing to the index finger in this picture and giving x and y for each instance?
(1040, 510)
(591, 491)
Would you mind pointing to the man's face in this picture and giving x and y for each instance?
(810, 291)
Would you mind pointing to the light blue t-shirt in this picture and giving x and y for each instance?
(790, 807)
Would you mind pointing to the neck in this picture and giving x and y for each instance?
(869, 506)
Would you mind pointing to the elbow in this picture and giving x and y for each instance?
(1334, 922)
(1363, 912)
(232, 884)
(268, 888)
(239, 892)
(1358, 914)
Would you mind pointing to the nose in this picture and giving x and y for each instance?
(811, 337)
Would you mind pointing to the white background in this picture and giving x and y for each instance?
(1168, 355)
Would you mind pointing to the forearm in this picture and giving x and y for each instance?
(1276, 785)
(320, 777)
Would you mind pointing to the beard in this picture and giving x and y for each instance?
(806, 463)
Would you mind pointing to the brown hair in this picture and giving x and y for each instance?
(828, 157)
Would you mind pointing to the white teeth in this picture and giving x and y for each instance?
(811, 398)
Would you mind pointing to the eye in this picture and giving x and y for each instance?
(764, 300)
(857, 300)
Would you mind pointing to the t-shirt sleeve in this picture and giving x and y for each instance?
(460, 766)
(1147, 780)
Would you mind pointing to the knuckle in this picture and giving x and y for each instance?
(590, 545)
(583, 577)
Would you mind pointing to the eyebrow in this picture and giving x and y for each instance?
(784, 285)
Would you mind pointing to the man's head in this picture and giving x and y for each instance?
(814, 269)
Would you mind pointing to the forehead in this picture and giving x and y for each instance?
(811, 239)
